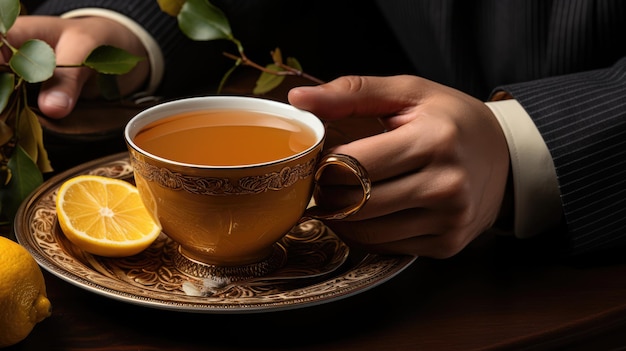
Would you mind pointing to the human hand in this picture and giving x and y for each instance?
(439, 173)
(72, 41)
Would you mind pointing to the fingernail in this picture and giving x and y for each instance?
(57, 99)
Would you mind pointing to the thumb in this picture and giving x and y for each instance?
(353, 96)
(58, 95)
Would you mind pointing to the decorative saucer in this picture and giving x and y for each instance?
(316, 266)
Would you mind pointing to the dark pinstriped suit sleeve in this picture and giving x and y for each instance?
(145, 12)
(478, 45)
(162, 27)
(184, 58)
(582, 118)
(327, 43)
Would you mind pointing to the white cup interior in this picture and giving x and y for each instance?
(167, 109)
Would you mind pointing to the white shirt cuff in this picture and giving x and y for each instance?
(155, 56)
(536, 193)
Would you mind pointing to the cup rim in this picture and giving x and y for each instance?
(189, 104)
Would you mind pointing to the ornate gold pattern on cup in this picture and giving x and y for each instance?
(221, 213)
(282, 179)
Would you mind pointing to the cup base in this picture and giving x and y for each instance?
(197, 269)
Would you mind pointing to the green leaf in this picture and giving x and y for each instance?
(108, 86)
(7, 88)
(30, 139)
(227, 75)
(202, 21)
(6, 133)
(5, 177)
(171, 7)
(277, 56)
(25, 178)
(294, 63)
(268, 81)
(111, 60)
(34, 61)
(9, 10)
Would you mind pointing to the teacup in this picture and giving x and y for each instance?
(208, 171)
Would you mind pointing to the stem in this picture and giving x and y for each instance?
(70, 66)
(299, 73)
(288, 70)
(247, 62)
(6, 42)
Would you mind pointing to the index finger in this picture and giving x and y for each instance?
(356, 96)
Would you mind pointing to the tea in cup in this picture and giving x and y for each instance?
(227, 177)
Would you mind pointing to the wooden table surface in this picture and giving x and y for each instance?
(496, 294)
(499, 293)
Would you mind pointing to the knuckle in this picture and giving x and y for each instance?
(456, 187)
(447, 138)
(352, 83)
(450, 188)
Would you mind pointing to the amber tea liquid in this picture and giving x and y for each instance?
(225, 138)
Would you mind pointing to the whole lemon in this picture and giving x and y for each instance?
(23, 301)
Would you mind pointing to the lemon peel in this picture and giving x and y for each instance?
(23, 298)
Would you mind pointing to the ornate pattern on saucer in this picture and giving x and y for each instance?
(315, 265)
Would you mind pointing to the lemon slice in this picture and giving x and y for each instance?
(104, 216)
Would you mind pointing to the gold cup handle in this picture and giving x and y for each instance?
(351, 164)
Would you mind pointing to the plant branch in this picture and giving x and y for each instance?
(288, 70)
(6, 42)
(299, 73)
